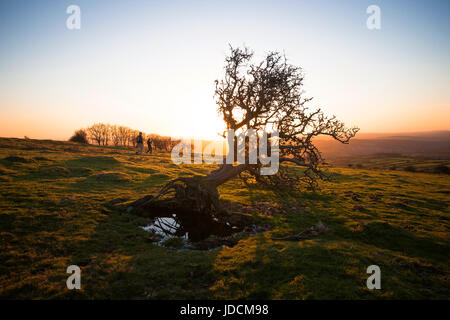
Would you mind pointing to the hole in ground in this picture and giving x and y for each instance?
(190, 229)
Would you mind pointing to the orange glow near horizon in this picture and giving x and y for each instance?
(152, 66)
(42, 123)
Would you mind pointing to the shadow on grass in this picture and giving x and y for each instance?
(259, 268)
(93, 162)
(120, 262)
(383, 235)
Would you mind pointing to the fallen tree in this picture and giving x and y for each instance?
(264, 97)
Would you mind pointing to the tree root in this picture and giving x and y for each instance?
(197, 193)
(188, 194)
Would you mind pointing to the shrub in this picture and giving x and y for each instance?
(359, 165)
(410, 169)
(79, 136)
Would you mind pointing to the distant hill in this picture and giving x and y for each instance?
(430, 145)
(429, 135)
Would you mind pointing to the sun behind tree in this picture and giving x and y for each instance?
(266, 97)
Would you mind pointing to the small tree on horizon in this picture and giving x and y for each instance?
(79, 136)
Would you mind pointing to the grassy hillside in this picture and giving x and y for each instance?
(431, 145)
(57, 203)
(394, 162)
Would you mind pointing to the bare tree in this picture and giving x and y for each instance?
(95, 132)
(106, 133)
(132, 134)
(115, 135)
(265, 96)
(124, 135)
(162, 143)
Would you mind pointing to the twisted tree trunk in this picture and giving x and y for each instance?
(197, 193)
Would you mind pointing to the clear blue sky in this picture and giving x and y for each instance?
(151, 65)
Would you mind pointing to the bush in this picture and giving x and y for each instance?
(359, 165)
(410, 169)
(79, 136)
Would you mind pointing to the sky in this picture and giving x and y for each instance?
(151, 65)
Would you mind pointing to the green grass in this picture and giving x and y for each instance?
(55, 211)
(417, 163)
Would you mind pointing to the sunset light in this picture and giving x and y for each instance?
(225, 159)
(152, 65)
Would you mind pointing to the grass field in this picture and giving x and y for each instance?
(56, 209)
(396, 162)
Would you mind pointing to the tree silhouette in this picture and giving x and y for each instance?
(79, 136)
(266, 96)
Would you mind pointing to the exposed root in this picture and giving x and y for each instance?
(197, 193)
